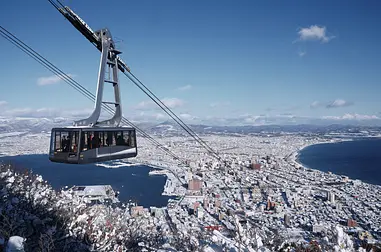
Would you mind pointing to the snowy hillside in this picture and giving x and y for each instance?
(170, 128)
(34, 125)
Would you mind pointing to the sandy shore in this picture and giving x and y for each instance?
(294, 156)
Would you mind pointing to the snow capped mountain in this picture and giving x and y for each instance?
(171, 128)
(33, 125)
(166, 128)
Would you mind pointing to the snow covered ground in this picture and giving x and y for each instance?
(59, 221)
(225, 200)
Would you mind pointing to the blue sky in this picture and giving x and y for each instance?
(208, 60)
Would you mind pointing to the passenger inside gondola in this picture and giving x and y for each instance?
(119, 140)
(93, 142)
(65, 144)
(83, 144)
(90, 141)
(100, 136)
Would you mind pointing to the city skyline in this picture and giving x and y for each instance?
(248, 64)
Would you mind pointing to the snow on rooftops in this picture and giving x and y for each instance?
(95, 192)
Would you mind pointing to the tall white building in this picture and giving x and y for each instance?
(188, 176)
(331, 197)
(200, 212)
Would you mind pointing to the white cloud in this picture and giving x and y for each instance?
(144, 105)
(146, 116)
(289, 119)
(282, 108)
(184, 88)
(188, 117)
(258, 120)
(17, 112)
(352, 117)
(82, 113)
(287, 115)
(159, 116)
(332, 104)
(316, 104)
(155, 116)
(302, 53)
(173, 102)
(339, 103)
(44, 81)
(3, 103)
(314, 33)
(169, 102)
(46, 112)
(291, 108)
(219, 104)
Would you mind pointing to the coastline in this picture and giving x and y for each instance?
(172, 184)
(160, 169)
(293, 158)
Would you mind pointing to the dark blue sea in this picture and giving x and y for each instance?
(358, 159)
(132, 182)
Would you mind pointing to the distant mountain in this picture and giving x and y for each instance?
(37, 125)
(33, 125)
(170, 128)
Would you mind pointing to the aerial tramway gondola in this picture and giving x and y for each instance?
(90, 141)
(76, 145)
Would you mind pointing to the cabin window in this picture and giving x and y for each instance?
(101, 139)
(74, 141)
(84, 142)
(57, 141)
(126, 138)
(52, 142)
(65, 141)
(119, 138)
(109, 138)
(88, 137)
(132, 138)
(95, 140)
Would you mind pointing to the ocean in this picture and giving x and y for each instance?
(358, 159)
(133, 182)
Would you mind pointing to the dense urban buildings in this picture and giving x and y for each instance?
(258, 198)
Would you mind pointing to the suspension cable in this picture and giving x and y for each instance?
(169, 112)
(155, 99)
(54, 4)
(52, 68)
(79, 88)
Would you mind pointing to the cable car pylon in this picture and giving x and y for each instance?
(108, 61)
(94, 38)
(74, 84)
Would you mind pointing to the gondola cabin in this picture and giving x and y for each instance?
(82, 145)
